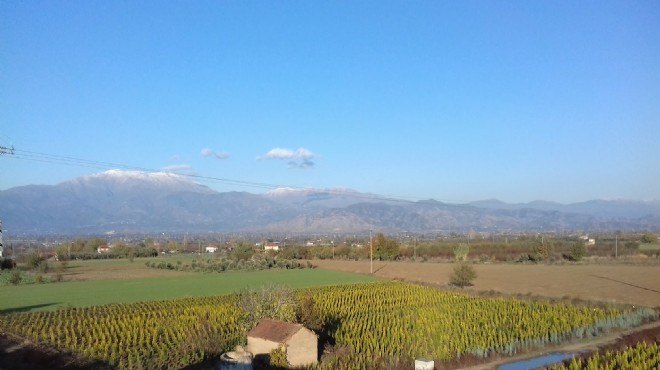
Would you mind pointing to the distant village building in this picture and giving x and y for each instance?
(103, 249)
(211, 249)
(300, 343)
(272, 246)
(587, 240)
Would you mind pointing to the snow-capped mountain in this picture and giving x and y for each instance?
(123, 181)
(132, 201)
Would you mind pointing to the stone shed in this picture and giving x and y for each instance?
(301, 344)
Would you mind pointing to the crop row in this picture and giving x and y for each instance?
(150, 335)
(393, 320)
(641, 356)
(372, 322)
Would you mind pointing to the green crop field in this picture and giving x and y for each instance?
(377, 325)
(169, 285)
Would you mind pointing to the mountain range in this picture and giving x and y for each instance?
(139, 202)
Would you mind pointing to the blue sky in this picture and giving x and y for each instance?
(456, 101)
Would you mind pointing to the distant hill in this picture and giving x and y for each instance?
(131, 201)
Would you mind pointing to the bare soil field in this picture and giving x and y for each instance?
(628, 284)
(116, 269)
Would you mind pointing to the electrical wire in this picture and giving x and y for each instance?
(100, 165)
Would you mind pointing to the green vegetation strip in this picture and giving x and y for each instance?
(44, 297)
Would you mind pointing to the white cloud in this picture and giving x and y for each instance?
(277, 153)
(300, 158)
(208, 152)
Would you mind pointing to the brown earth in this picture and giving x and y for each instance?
(120, 269)
(627, 284)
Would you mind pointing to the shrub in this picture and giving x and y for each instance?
(242, 252)
(271, 302)
(7, 264)
(543, 251)
(308, 314)
(462, 275)
(649, 238)
(33, 259)
(578, 251)
(15, 277)
(43, 267)
(461, 251)
(278, 358)
(631, 245)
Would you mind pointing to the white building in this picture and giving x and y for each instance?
(272, 246)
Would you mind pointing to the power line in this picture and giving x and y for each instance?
(100, 165)
(7, 150)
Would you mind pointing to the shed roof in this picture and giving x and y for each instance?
(274, 330)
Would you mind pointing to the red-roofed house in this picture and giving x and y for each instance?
(300, 343)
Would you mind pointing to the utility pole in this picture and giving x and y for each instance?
(415, 248)
(1, 245)
(616, 244)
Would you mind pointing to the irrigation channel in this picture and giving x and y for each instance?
(533, 363)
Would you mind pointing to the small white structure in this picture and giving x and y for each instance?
(424, 364)
(272, 246)
(211, 249)
(238, 359)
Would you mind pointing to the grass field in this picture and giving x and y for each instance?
(102, 282)
(631, 284)
(650, 246)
